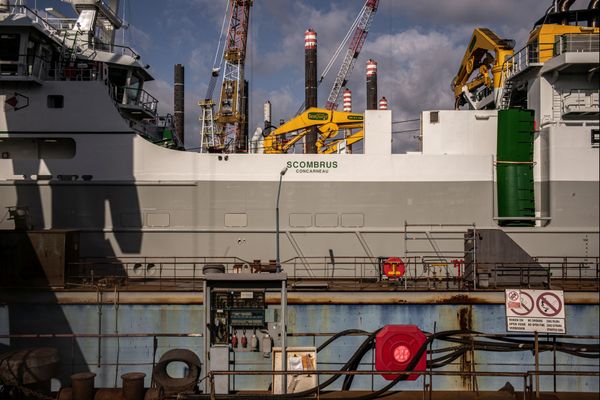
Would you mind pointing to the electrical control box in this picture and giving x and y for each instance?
(233, 310)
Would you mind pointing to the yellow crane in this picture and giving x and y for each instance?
(328, 123)
(486, 54)
(334, 146)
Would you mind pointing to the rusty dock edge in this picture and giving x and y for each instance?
(110, 296)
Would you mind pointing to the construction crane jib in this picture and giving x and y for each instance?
(361, 29)
(228, 130)
(231, 119)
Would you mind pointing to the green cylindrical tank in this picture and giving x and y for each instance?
(515, 135)
(515, 193)
(514, 167)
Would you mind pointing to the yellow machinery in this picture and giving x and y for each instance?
(479, 57)
(328, 123)
(544, 38)
(334, 146)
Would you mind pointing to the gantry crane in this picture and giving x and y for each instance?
(360, 27)
(228, 130)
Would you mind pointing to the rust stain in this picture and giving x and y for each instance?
(462, 299)
(465, 322)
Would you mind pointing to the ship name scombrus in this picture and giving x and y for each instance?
(312, 167)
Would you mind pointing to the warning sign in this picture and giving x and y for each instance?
(535, 310)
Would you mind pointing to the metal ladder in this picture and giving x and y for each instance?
(505, 102)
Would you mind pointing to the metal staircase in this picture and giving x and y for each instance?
(506, 95)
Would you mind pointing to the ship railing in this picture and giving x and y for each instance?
(529, 390)
(440, 272)
(64, 28)
(168, 273)
(53, 25)
(25, 66)
(529, 56)
(96, 45)
(577, 43)
(110, 353)
(582, 273)
(81, 71)
(136, 97)
(68, 344)
(32, 67)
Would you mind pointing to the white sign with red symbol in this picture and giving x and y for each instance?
(535, 311)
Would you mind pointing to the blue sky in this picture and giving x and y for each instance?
(418, 45)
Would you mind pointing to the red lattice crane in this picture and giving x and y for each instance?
(361, 29)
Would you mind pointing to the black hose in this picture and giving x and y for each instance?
(413, 363)
(360, 354)
(340, 334)
(305, 393)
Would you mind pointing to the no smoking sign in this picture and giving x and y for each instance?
(535, 310)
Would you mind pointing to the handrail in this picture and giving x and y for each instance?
(422, 272)
(56, 26)
(131, 96)
(530, 55)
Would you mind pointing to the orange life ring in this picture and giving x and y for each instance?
(394, 268)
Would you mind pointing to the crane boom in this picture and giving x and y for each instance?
(328, 123)
(358, 40)
(231, 118)
(478, 58)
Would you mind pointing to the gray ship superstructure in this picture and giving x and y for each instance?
(125, 253)
(77, 153)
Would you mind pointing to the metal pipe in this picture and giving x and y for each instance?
(277, 255)
(537, 365)
(284, 335)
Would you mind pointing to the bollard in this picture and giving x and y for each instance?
(133, 386)
(83, 385)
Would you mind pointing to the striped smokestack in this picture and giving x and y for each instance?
(347, 100)
(371, 85)
(310, 68)
(383, 104)
(348, 108)
(179, 101)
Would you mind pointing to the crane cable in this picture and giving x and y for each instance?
(336, 54)
(219, 57)
(342, 44)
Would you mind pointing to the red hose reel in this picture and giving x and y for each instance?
(395, 348)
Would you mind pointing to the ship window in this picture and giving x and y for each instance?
(434, 117)
(37, 148)
(9, 54)
(595, 137)
(9, 47)
(56, 101)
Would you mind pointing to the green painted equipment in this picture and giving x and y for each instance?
(514, 167)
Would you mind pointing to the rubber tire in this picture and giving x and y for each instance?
(176, 385)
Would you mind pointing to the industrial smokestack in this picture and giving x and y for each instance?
(310, 68)
(371, 85)
(179, 103)
(383, 104)
(347, 100)
(267, 114)
(348, 108)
